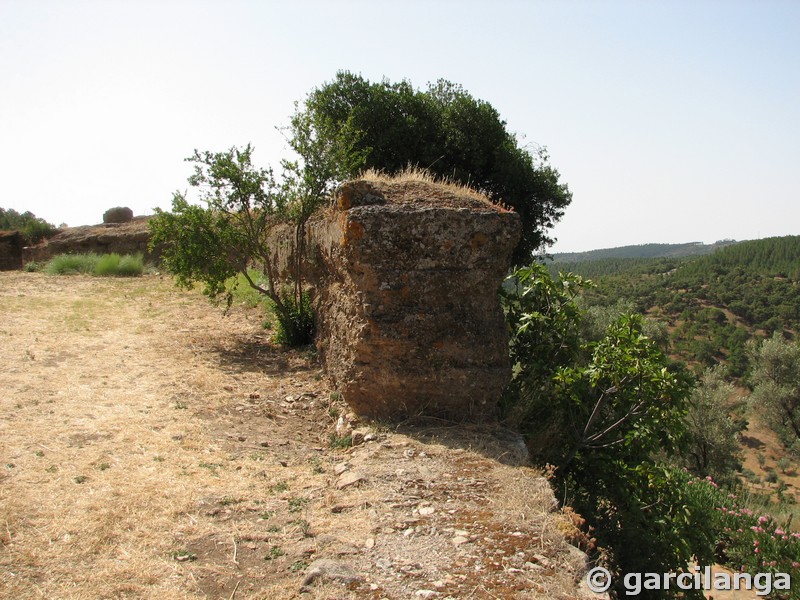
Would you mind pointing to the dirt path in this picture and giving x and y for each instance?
(104, 446)
(152, 448)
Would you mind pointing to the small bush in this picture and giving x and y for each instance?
(34, 266)
(296, 328)
(106, 265)
(131, 265)
(119, 266)
(67, 264)
(95, 264)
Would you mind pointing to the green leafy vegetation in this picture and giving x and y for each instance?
(34, 266)
(776, 387)
(274, 552)
(711, 304)
(340, 130)
(295, 325)
(220, 245)
(712, 446)
(638, 447)
(102, 265)
(32, 228)
(746, 541)
(67, 264)
(119, 266)
(731, 316)
(350, 124)
(602, 412)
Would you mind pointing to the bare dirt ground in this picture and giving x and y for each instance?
(152, 448)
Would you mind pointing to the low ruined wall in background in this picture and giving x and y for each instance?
(407, 276)
(122, 238)
(10, 250)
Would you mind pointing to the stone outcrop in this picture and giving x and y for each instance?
(118, 214)
(407, 276)
(10, 250)
(122, 238)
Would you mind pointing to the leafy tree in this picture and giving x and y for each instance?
(350, 124)
(776, 387)
(32, 228)
(712, 447)
(602, 412)
(210, 245)
(546, 323)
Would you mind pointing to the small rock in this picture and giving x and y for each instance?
(330, 570)
(461, 532)
(349, 479)
(383, 563)
(358, 436)
(370, 437)
(426, 510)
(370, 543)
(459, 539)
(408, 532)
(426, 593)
(340, 468)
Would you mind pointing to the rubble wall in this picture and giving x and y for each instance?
(407, 277)
(10, 250)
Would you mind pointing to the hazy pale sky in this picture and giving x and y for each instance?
(671, 121)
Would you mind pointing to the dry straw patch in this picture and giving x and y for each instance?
(414, 185)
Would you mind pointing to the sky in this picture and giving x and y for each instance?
(671, 122)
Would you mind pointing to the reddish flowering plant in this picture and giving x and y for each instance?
(746, 541)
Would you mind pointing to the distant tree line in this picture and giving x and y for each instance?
(32, 228)
(711, 304)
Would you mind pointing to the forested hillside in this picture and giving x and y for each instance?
(711, 304)
(642, 251)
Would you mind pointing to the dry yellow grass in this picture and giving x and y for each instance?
(415, 179)
(153, 448)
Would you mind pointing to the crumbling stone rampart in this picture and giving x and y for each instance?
(122, 238)
(407, 276)
(10, 250)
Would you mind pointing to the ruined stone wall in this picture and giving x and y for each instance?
(407, 277)
(10, 250)
(122, 238)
